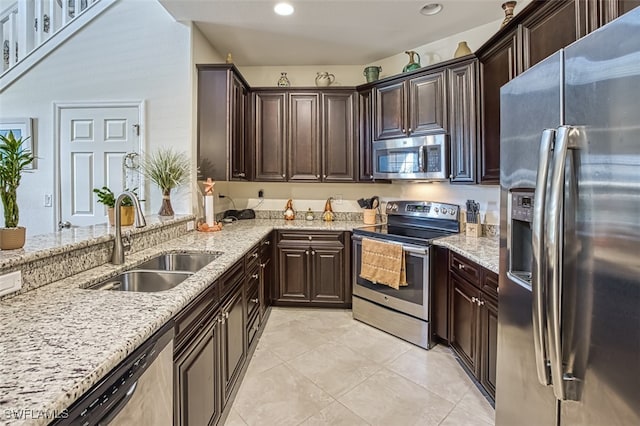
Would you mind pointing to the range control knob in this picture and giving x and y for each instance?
(394, 207)
(436, 210)
(452, 212)
(444, 210)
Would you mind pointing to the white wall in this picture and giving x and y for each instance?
(134, 51)
(346, 75)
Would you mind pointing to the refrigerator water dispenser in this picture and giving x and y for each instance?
(521, 217)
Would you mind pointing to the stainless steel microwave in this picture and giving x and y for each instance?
(415, 158)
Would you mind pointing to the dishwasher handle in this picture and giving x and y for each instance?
(113, 412)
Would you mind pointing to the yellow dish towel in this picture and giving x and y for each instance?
(383, 263)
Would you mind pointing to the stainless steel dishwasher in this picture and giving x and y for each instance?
(139, 391)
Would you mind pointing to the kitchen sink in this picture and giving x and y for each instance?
(190, 262)
(143, 281)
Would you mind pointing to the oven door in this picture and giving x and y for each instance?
(412, 299)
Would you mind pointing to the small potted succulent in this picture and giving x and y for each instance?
(14, 159)
(168, 169)
(108, 198)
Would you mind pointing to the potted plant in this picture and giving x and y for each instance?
(14, 159)
(167, 169)
(108, 198)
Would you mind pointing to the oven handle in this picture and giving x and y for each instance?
(422, 251)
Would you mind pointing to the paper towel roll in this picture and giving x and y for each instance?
(209, 214)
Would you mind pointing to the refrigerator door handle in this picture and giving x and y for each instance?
(552, 243)
(538, 275)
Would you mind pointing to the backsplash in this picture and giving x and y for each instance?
(55, 256)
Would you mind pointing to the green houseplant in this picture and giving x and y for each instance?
(108, 198)
(168, 169)
(14, 159)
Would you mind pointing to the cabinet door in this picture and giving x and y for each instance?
(293, 267)
(239, 139)
(440, 292)
(497, 67)
(269, 136)
(338, 137)
(328, 274)
(365, 136)
(427, 104)
(489, 345)
(464, 321)
(197, 393)
(304, 137)
(552, 27)
(463, 121)
(390, 111)
(233, 346)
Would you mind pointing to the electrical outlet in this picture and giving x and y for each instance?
(10, 282)
(190, 226)
(261, 193)
(48, 200)
(337, 199)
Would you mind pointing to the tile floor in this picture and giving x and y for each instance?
(321, 367)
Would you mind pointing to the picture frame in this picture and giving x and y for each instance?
(21, 128)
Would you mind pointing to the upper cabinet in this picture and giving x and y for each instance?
(410, 107)
(365, 135)
(540, 30)
(222, 118)
(305, 135)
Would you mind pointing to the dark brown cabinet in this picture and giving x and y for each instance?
(313, 269)
(270, 118)
(365, 135)
(222, 119)
(463, 122)
(411, 107)
(304, 135)
(233, 340)
(473, 318)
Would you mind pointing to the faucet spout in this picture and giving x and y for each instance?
(117, 257)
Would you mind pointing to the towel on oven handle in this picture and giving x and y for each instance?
(383, 263)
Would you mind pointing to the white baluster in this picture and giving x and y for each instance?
(13, 38)
(54, 18)
(39, 13)
(77, 10)
(65, 12)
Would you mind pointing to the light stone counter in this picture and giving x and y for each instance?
(485, 251)
(58, 340)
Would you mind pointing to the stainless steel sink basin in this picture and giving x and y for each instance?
(191, 262)
(144, 281)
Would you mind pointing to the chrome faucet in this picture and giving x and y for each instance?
(120, 246)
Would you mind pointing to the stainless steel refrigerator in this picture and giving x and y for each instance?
(569, 295)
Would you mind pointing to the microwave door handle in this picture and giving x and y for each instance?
(421, 156)
(538, 277)
(555, 259)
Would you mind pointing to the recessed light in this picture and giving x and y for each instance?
(431, 9)
(284, 9)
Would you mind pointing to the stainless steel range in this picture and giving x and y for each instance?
(405, 313)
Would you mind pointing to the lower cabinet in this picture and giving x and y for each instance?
(473, 318)
(233, 339)
(313, 269)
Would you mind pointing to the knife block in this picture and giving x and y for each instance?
(474, 230)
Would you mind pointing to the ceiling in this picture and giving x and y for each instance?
(327, 32)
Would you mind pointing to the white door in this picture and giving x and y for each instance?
(93, 144)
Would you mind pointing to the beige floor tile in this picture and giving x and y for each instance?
(234, 419)
(290, 340)
(459, 417)
(435, 371)
(387, 398)
(376, 345)
(473, 402)
(262, 360)
(335, 414)
(331, 324)
(334, 367)
(279, 396)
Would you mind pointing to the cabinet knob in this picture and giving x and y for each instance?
(474, 300)
(226, 315)
(410, 129)
(324, 176)
(263, 265)
(306, 252)
(255, 276)
(310, 237)
(480, 302)
(460, 266)
(240, 175)
(317, 176)
(254, 255)
(451, 176)
(313, 252)
(254, 300)
(284, 176)
(266, 243)
(371, 177)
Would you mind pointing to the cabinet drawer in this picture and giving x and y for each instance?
(197, 312)
(253, 257)
(465, 268)
(490, 283)
(253, 298)
(330, 236)
(231, 278)
(252, 329)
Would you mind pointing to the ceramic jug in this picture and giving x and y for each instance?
(372, 73)
(412, 65)
(324, 79)
(289, 213)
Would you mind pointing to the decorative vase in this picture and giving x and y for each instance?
(508, 12)
(462, 50)
(165, 207)
(324, 79)
(413, 64)
(283, 81)
(12, 238)
(126, 215)
(372, 73)
(289, 212)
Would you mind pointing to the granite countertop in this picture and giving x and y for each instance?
(60, 339)
(485, 251)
